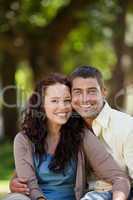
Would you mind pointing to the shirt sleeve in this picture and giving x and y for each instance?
(128, 152)
(24, 164)
(104, 165)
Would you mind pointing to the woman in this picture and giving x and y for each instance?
(52, 137)
(49, 153)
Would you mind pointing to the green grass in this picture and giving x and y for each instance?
(6, 160)
(2, 195)
(6, 166)
(4, 186)
(4, 189)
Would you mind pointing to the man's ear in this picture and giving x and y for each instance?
(104, 92)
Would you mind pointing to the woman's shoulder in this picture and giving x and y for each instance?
(21, 137)
(23, 143)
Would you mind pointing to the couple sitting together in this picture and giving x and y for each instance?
(72, 144)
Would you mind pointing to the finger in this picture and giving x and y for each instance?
(23, 180)
(21, 185)
(27, 193)
(23, 190)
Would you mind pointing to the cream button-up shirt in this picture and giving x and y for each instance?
(115, 131)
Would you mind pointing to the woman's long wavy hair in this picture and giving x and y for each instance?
(34, 125)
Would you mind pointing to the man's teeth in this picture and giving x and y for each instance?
(86, 106)
(61, 114)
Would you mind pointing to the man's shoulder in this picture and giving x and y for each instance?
(116, 114)
(121, 122)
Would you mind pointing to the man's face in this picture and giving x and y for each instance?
(87, 97)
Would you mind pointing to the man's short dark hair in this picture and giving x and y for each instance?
(87, 72)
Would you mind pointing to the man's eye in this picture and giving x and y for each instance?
(76, 92)
(93, 92)
(67, 100)
(54, 101)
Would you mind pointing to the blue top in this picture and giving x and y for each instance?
(56, 185)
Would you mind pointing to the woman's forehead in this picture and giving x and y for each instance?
(57, 89)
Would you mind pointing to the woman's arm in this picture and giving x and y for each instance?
(24, 164)
(117, 195)
(105, 167)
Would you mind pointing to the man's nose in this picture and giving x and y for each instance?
(84, 98)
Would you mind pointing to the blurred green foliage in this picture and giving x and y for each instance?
(28, 14)
(24, 82)
(6, 160)
(90, 42)
(80, 48)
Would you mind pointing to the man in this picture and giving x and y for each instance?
(113, 128)
(88, 99)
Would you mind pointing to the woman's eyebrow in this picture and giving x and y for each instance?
(54, 97)
(65, 97)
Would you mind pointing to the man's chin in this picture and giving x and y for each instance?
(89, 115)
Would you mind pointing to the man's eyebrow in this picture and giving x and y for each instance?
(76, 88)
(92, 88)
(89, 88)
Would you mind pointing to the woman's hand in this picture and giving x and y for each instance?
(117, 195)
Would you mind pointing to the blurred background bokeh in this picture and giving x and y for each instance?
(42, 36)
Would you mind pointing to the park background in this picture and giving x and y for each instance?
(39, 37)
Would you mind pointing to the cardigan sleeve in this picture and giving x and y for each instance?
(24, 164)
(104, 166)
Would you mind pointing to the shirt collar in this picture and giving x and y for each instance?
(104, 116)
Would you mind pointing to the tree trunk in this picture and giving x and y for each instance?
(43, 61)
(117, 96)
(45, 55)
(9, 92)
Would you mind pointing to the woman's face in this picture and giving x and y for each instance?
(57, 103)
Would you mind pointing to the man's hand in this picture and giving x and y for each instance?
(19, 185)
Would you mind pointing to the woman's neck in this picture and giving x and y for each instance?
(53, 137)
(53, 129)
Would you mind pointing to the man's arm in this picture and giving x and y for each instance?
(105, 167)
(18, 185)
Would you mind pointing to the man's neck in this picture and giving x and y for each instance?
(88, 122)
